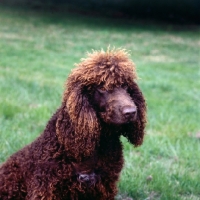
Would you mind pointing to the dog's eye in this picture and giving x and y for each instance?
(102, 89)
(125, 87)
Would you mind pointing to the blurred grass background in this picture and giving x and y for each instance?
(37, 51)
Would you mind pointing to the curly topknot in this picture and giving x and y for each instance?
(111, 68)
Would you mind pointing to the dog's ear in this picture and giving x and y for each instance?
(77, 125)
(135, 132)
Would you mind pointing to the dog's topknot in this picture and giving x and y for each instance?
(109, 68)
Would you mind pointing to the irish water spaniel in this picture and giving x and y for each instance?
(79, 154)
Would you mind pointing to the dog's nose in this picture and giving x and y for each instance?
(129, 112)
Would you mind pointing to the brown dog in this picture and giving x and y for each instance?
(79, 154)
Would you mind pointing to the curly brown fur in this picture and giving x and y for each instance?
(79, 154)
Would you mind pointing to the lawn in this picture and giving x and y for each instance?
(38, 50)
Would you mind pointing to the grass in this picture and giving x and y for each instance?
(37, 52)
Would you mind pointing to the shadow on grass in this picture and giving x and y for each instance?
(98, 19)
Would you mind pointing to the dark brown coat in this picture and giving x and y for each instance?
(79, 154)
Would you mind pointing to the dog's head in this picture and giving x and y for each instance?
(102, 89)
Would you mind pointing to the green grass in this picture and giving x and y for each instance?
(37, 52)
